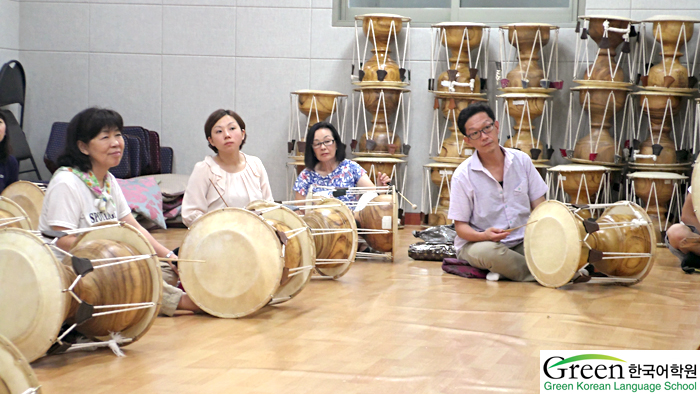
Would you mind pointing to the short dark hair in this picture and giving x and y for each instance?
(5, 143)
(85, 126)
(215, 117)
(310, 159)
(471, 110)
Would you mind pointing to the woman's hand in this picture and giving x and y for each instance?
(495, 234)
(382, 179)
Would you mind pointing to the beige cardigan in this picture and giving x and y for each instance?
(238, 189)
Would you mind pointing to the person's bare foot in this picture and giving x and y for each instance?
(187, 304)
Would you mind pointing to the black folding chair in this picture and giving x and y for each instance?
(13, 84)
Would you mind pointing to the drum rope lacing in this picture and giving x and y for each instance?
(635, 223)
(9, 221)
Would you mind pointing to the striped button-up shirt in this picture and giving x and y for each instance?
(478, 199)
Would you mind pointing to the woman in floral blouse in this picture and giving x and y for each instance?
(326, 164)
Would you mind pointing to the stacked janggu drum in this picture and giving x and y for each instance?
(528, 74)
(662, 137)
(459, 66)
(381, 114)
(317, 106)
(603, 69)
(381, 99)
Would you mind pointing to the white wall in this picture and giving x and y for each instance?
(167, 64)
(9, 30)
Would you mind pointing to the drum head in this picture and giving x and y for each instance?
(16, 376)
(128, 235)
(243, 262)
(10, 209)
(31, 291)
(306, 240)
(553, 244)
(29, 196)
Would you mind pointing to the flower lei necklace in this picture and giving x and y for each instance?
(104, 195)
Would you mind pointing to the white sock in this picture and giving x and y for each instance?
(493, 276)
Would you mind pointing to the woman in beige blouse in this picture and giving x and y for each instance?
(230, 174)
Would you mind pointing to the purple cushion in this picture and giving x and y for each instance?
(144, 198)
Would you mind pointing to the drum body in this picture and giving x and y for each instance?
(335, 234)
(16, 376)
(300, 250)
(381, 213)
(560, 241)
(32, 284)
(29, 196)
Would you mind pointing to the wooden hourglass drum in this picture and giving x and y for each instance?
(560, 241)
(114, 285)
(656, 191)
(381, 32)
(447, 144)
(603, 63)
(438, 203)
(384, 123)
(526, 65)
(596, 134)
(317, 106)
(251, 258)
(465, 52)
(664, 116)
(525, 132)
(671, 35)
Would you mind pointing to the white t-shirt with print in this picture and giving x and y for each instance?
(70, 203)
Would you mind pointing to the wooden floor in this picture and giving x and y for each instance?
(405, 327)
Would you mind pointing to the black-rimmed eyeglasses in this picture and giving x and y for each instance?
(476, 134)
(327, 143)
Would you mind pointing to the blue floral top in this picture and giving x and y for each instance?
(345, 175)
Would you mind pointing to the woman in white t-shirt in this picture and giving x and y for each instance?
(83, 193)
(230, 178)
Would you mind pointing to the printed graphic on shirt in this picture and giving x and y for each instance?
(97, 217)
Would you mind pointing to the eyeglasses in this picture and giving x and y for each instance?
(486, 130)
(327, 143)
